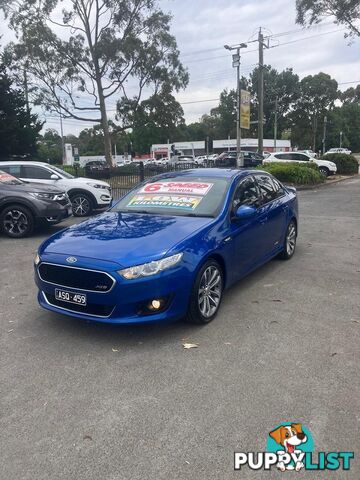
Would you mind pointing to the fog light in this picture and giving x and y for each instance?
(156, 304)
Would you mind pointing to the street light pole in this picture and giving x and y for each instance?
(341, 133)
(236, 63)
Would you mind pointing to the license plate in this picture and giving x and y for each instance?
(70, 297)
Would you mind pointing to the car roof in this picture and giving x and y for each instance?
(25, 162)
(228, 173)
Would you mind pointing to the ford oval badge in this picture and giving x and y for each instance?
(71, 259)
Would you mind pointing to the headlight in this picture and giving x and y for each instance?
(43, 196)
(97, 185)
(151, 268)
(37, 260)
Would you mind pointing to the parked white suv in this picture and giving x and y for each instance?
(325, 166)
(86, 194)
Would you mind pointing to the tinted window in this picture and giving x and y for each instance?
(30, 171)
(286, 156)
(267, 188)
(245, 194)
(299, 157)
(12, 169)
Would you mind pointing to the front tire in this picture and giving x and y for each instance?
(289, 242)
(81, 204)
(206, 294)
(17, 221)
(324, 171)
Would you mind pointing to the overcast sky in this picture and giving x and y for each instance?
(203, 27)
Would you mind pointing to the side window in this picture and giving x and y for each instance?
(31, 171)
(279, 189)
(246, 194)
(299, 157)
(11, 169)
(267, 188)
(283, 156)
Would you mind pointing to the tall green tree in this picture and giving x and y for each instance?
(50, 147)
(346, 12)
(154, 120)
(19, 128)
(92, 51)
(317, 95)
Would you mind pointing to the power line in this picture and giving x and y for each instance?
(307, 38)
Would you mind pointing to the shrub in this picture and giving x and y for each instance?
(296, 173)
(346, 164)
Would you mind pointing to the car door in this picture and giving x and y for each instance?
(36, 174)
(274, 211)
(245, 235)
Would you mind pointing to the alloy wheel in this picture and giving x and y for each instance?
(15, 222)
(81, 206)
(291, 239)
(209, 293)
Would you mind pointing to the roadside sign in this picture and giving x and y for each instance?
(245, 109)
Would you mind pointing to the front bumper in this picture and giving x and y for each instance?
(55, 213)
(124, 303)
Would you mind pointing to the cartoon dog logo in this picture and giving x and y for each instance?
(289, 437)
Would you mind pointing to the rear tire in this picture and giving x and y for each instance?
(206, 294)
(289, 242)
(81, 204)
(17, 221)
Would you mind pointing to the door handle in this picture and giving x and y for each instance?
(227, 239)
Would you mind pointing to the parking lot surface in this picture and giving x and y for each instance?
(97, 402)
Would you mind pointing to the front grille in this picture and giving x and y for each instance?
(63, 201)
(78, 278)
(90, 309)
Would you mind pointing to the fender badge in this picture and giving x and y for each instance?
(71, 259)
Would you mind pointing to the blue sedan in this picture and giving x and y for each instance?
(169, 248)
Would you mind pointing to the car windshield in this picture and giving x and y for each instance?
(7, 179)
(62, 172)
(178, 195)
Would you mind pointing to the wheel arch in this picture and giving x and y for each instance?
(220, 260)
(90, 195)
(15, 201)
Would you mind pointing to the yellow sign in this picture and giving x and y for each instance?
(245, 109)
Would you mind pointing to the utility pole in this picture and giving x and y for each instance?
(324, 135)
(261, 93)
(236, 64)
(275, 122)
(341, 133)
(62, 136)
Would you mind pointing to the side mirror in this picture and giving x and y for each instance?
(244, 212)
(54, 177)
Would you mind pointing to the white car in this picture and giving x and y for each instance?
(86, 194)
(338, 150)
(325, 166)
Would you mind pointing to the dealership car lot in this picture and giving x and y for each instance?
(89, 401)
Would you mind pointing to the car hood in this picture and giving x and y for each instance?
(31, 188)
(325, 163)
(83, 180)
(124, 238)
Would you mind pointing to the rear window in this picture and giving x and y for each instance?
(179, 195)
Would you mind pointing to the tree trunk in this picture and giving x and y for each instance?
(105, 126)
(314, 133)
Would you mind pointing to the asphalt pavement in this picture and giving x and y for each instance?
(96, 402)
